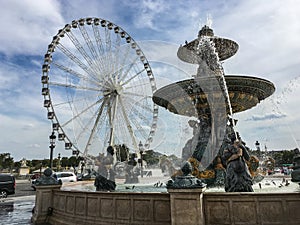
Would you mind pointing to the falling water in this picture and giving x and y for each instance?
(206, 48)
(276, 102)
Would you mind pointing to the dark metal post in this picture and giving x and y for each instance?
(257, 145)
(52, 138)
(41, 166)
(58, 163)
(141, 153)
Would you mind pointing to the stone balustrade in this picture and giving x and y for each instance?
(178, 207)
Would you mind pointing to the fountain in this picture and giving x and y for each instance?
(211, 97)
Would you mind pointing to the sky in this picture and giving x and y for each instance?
(267, 33)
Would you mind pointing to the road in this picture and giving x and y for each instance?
(23, 188)
(17, 209)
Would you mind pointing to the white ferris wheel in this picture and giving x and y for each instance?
(97, 86)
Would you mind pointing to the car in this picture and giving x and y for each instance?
(7, 185)
(277, 170)
(65, 176)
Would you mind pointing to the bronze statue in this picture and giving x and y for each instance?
(238, 178)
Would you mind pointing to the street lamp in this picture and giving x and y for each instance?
(257, 145)
(52, 138)
(141, 149)
(58, 163)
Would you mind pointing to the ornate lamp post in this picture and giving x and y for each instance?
(141, 149)
(257, 145)
(58, 163)
(52, 138)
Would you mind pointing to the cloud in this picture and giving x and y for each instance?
(266, 117)
(28, 25)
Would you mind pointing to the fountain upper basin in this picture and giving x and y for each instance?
(189, 97)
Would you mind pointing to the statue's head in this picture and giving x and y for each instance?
(110, 150)
(187, 168)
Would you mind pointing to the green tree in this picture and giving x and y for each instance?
(151, 157)
(122, 152)
(287, 157)
(6, 161)
(73, 161)
(64, 161)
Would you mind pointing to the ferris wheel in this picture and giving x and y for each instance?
(99, 89)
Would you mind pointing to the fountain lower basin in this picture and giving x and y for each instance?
(271, 184)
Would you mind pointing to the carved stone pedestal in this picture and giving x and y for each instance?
(43, 204)
(187, 206)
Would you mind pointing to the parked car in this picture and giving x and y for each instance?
(65, 176)
(7, 185)
(277, 170)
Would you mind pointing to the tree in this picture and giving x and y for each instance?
(6, 161)
(122, 152)
(151, 157)
(74, 161)
(64, 161)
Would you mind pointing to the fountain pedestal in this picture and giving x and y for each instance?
(187, 206)
(45, 187)
(186, 194)
(43, 203)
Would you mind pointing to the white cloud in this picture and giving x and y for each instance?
(28, 25)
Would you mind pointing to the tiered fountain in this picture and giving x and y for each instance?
(211, 97)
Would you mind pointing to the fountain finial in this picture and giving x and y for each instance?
(206, 31)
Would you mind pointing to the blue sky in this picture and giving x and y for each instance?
(267, 33)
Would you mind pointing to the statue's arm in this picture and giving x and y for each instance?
(245, 153)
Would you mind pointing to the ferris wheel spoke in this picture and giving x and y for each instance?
(99, 45)
(129, 68)
(136, 95)
(76, 74)
(97, 59)
(88, 42)
(123, 63)
(82, 51)
(84, 128)
(75, 59)
(134, 76)
(110, 57)
(142, 106)
(112, 118)
(107, 40)
(139, 128)
(98, 39)
(77, 100)
(118, 45)
(94, 127)
(138, 85)
(128, 125)
(140, 115)
(82, 112)
(73, 86)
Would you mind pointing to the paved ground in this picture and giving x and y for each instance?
(17, 209)
(23, 188)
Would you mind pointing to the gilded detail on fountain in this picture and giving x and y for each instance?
(211, 98)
